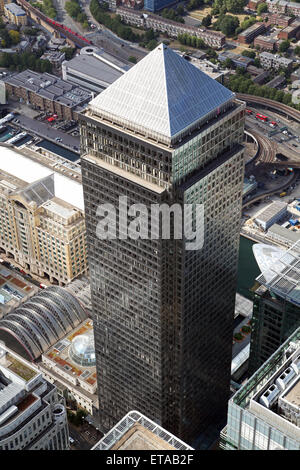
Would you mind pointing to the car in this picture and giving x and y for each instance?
(71, 440)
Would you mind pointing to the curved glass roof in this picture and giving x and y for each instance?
(82, 350)
(267, 258)
(43, 319)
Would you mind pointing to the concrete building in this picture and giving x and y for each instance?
(44, 233)
(32, 415)
(137, 432)
(250, 33)
(277, 82)
(253, 4)
(265, 43)
(270, 214)
(182, 145)
(93, 69)
(15, 14)
(295, 75)
(276, 308)
(264, 413)
(271, 61)
(48, 93)
(213, 39)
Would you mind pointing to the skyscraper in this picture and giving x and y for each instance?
(164, 132)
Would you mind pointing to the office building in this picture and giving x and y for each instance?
(15, 14)
(276, 308)
(93, 69)
(40, 229)
(283, 236)
(137, 432)
(48, 93)
(164, 132)
(264, 413)
(32, 415)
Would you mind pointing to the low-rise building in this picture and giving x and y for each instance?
(265, 43)
(283, 235)
(150, 21)
(48, 93)
(250, 33)
(32, 415)
(15, 14)
(238, 60)
(273, 61)
(276, 82)
(270, 214)
(93, 69)
(157, 5)
(291, 31)
(283, 7)
(56, 58)
(253, 4)
(277, 19)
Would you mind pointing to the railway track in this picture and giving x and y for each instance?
(266, 148)
(274, 105)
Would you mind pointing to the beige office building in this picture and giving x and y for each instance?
(15, 14)
(43, 233)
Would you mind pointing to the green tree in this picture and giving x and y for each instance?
(206, 21)
(132, 59)
(297, 50)
(69, 52)
(249, 53)
(14, 36)
(284, 46)
(228, 24)
(262, 8)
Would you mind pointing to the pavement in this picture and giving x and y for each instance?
(48, 132)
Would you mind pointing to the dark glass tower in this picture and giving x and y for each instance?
(165, 132)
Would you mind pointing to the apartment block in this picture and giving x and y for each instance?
(273, 61)
(250, 33)
(172, 28)
(265, 43)
(291, 31)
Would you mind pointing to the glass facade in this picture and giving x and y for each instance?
(163, 314)
(249, 429)
(274, 320)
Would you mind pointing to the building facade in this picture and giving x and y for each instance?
(15, 14)
(250, 33)
(32, 415)
(276, 308)
(273, 61)
(156, 5)
(156, 303)
(214, 39)
(264, 413)
(44, 234)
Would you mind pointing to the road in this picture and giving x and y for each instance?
(47, 132)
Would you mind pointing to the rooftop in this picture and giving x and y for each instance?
(137, 432)
(270, 211)
(29, 171)
(163, 94)
(15, 9)
(280, 270)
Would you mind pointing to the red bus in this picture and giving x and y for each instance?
(261, 117)
(248, 111)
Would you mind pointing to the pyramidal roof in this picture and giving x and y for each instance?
(162, 94)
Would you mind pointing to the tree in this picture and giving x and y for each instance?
(249, 53)
(14, 36)
(151, 44)
(228, 64)
(284, 46)
(297, 50)
(228, 24)
(132, 59)
(206, 21)
(262, 8)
